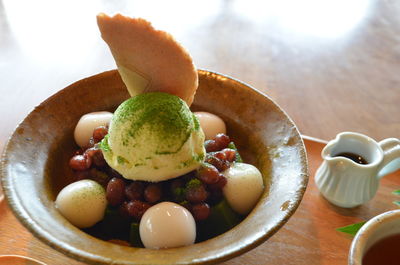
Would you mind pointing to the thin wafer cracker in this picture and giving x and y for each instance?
(148, 59)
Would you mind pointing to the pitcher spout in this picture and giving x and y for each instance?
(355, 147)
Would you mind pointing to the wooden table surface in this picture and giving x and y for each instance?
(333, 65)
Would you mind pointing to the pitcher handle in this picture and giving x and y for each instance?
(391, 156)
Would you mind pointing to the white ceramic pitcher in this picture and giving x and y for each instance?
(346, 183)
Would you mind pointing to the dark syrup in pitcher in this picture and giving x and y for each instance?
(356, 158)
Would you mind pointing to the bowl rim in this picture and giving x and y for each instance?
(20, 212)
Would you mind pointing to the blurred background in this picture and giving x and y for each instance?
(331, 65)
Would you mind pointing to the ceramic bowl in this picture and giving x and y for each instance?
(35, 167)
(378, 228)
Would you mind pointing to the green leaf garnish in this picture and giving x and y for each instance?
(396, 192)
(238, 158)
(193, 183)
(179, 194)
(397, 203)
(351, 229)
(104, 144)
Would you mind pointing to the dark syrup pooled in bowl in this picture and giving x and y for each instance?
(354, 157)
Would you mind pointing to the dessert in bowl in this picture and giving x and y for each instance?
(35, 168)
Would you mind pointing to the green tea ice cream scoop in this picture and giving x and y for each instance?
(154, 137)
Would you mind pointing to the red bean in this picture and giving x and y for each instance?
(196, 194)
(208, 173)
(79, 152)
(91, 143)
(210, 159)
(134, 191)
(80, 162)
(221, 165)
(137, 208)
(211, 146)
(115, 191)
(153, 193)
(230, 154)
(97, 156)
(222, 140)
(99, 133)
(99, 176)
(224, 165)
(220, 184)
(220, 155)
(82, 174)
(123, 209)
(200, 211)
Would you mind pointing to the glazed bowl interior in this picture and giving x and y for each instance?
(35, 167)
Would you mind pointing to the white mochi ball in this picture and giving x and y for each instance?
(87, 123)
(211, 124)
(83, 203)
(167, 225)
(243, 188)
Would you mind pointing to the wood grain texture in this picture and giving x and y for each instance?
(344, 81)
(308, 238)
(332, 65)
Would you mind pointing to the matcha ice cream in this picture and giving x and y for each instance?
(154, 137)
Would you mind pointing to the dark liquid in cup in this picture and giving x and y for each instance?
(356, 158)
(384, 252)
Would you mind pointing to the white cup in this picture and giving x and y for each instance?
(379, 227)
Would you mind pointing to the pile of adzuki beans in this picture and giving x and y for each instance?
(133, 198)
